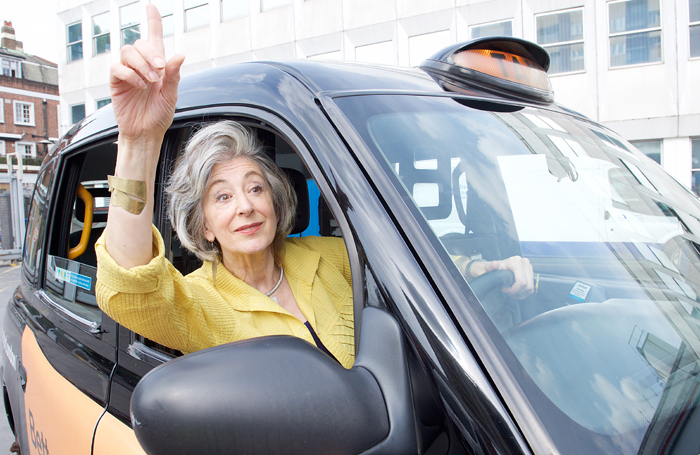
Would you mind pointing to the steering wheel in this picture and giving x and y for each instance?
(485, 284)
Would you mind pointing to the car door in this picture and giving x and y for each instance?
(138, 355)
(345, 204)
(14, 322)
(68, 346)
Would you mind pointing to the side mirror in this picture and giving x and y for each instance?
(266, 395)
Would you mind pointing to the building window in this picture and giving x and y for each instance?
(652, 149)
(635, 32)
(380, 53)
(2, 110)
(165, 7)
(129, 21)
(696, 165)
(562, 35)
(694, 28)
(11, 68)
(272, 4)
(26, 149)
(504, 28)
(24, 113)
(231, 9)
(103, 103)
(423, 46)
(100, 33)
(196, 14)
(2, 148)
(75, 42)
(77, 113)
(332, 55)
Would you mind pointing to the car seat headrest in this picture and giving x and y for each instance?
(298, 182)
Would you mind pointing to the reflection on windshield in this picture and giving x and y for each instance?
(612, 335)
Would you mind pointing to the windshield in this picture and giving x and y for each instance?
(610, 338)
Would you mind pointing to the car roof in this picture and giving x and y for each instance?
(274, 85)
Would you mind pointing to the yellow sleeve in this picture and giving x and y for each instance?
(154, 300)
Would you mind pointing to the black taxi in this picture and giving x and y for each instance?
(466, 156)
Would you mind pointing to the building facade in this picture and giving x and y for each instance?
(629, 64)
(29, 113)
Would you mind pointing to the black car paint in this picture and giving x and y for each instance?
(388, 269)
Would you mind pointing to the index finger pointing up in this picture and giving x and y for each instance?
(155, 28)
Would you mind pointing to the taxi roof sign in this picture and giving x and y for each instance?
(506, 66)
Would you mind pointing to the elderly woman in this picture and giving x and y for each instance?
(232, 207)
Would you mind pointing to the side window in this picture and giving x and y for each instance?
(311, 206)
(79, 219)
(38, 218)
(314, 217)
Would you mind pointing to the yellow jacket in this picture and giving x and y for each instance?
(192, 312)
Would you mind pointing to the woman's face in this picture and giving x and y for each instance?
(239, 212)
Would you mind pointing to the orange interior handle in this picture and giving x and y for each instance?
(87, 224)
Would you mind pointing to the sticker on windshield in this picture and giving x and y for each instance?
(77, 279)
(580, 291)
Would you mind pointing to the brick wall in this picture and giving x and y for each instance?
(31, 133)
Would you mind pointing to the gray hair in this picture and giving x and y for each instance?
(219, 143)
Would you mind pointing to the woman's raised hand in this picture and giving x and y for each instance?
(144, 94)
(144, 86)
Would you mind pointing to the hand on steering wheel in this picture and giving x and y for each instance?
(519, 286)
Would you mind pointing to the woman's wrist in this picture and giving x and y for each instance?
(468, 268)
(138, 158)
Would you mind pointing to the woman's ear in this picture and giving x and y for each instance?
(208, 234)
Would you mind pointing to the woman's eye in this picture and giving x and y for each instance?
(256, 189)
(223, 197)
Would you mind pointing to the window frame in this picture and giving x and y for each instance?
(263, 8)
(694, 147)
(31, 119)
(99, 104)
(255, 119)
(95, 37)
(31, 145)
(200, 5)
(2, 110)
(37, 224)
(581, 41)
(651, 141)
(693, 25)
(71, 112)
(69, 175)
(130, 26)
(3, 151)
(417, 45)
(230, 18)
(12, 65)
(70, 44)
(166, 9)
(488, 24)
(612, 35)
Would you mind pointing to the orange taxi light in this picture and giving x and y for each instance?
(504, 65)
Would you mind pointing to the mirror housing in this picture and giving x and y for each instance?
(275, 394)
(281, 395)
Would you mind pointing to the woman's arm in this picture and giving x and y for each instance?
(144, 93)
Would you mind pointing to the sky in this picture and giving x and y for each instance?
(35, 25)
